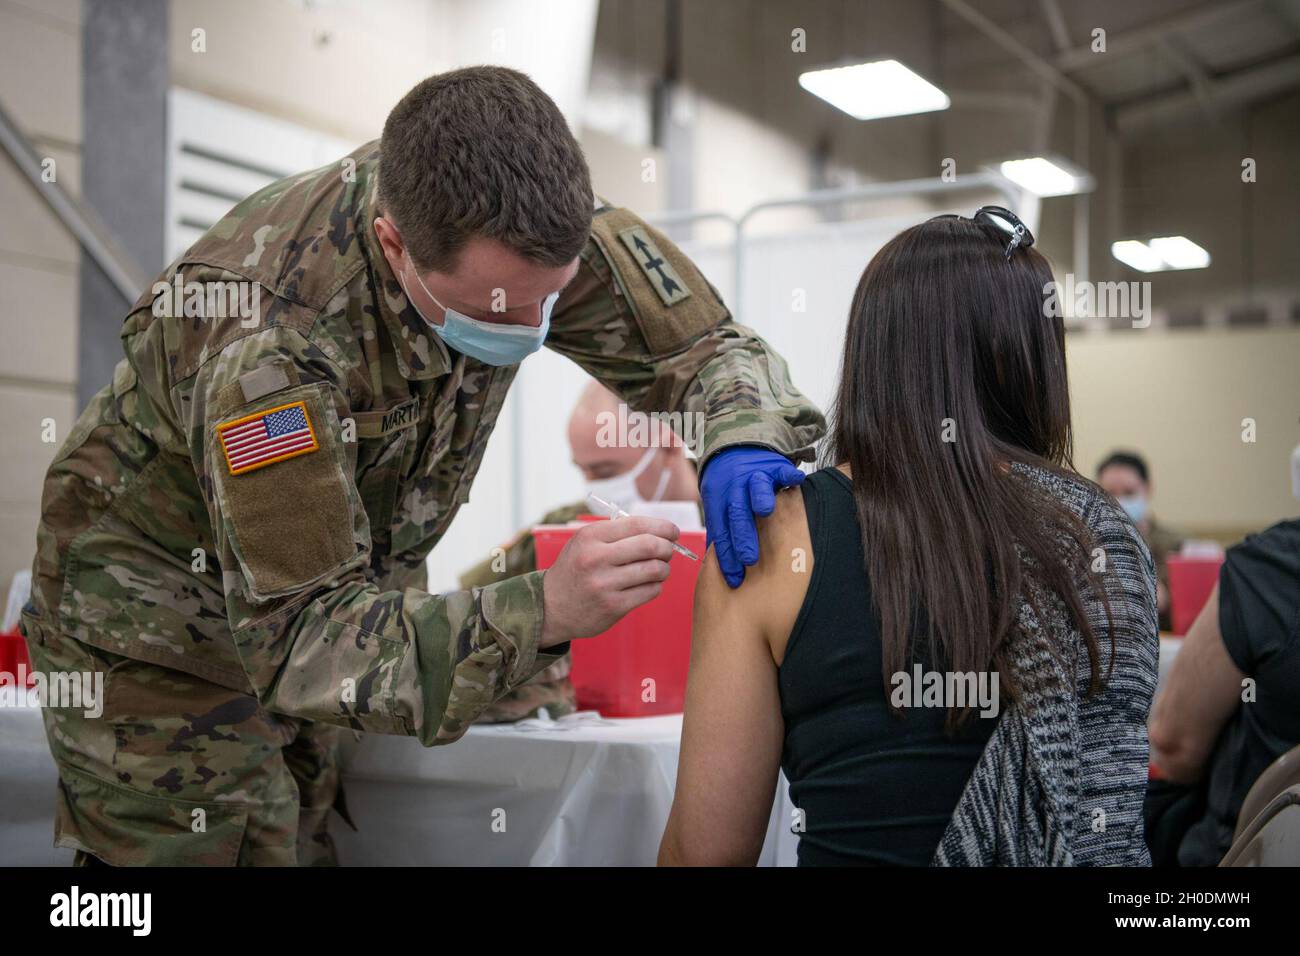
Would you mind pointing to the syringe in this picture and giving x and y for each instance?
(614, 511)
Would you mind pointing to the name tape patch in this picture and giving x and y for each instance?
(378, 424)
(266, 437)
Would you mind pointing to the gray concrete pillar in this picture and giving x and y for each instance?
(124, 91)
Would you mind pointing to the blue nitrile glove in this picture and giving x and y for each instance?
(738, 483)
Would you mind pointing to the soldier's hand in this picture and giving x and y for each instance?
(607, 569)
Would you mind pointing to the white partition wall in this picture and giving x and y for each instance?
(797, 287)
(709, 238)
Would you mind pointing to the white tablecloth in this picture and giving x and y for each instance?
(581, 793)
(590, 794)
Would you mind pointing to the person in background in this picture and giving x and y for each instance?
(1212, 733)
(1125, 476)
(952, 537)
(625, 474)
(629, 475)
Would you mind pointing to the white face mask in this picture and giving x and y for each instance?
(622, 490)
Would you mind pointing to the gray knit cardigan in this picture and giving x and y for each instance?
(1062, 779)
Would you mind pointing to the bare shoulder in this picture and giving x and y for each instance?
(774, 588)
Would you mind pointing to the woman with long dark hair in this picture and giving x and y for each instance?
(949, 640)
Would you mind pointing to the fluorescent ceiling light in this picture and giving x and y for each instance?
(1162, 254)
(1043, 177)
(1136, 254)
(1179, 252)
(873, 90)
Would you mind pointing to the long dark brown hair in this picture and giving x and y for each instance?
(953, 371)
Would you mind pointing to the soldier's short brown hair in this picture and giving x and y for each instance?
(483, 151)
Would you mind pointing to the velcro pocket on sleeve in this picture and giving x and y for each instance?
(285, 497)
(672, 301)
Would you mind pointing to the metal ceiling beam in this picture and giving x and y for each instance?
(1240, 87)
(1202, 86)
(1012, 45)
(1142, 39)
(1056, 24)
(1082, 116)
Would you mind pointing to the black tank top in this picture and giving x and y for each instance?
(874, 788)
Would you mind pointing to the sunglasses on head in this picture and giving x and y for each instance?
(1004, 221)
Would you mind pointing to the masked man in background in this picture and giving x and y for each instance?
(1125, 476)
(651, 479)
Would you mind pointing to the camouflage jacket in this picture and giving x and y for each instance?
(300, 579)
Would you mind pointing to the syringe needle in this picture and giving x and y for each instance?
(614, 511)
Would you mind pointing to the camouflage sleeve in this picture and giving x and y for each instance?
(316, 638)
(643, 320)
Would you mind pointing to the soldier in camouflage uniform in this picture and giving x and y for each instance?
(247, 616)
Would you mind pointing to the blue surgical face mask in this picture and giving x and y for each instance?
(1135, 506)
(490, 342)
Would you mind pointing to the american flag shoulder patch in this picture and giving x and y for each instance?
(266, 437)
